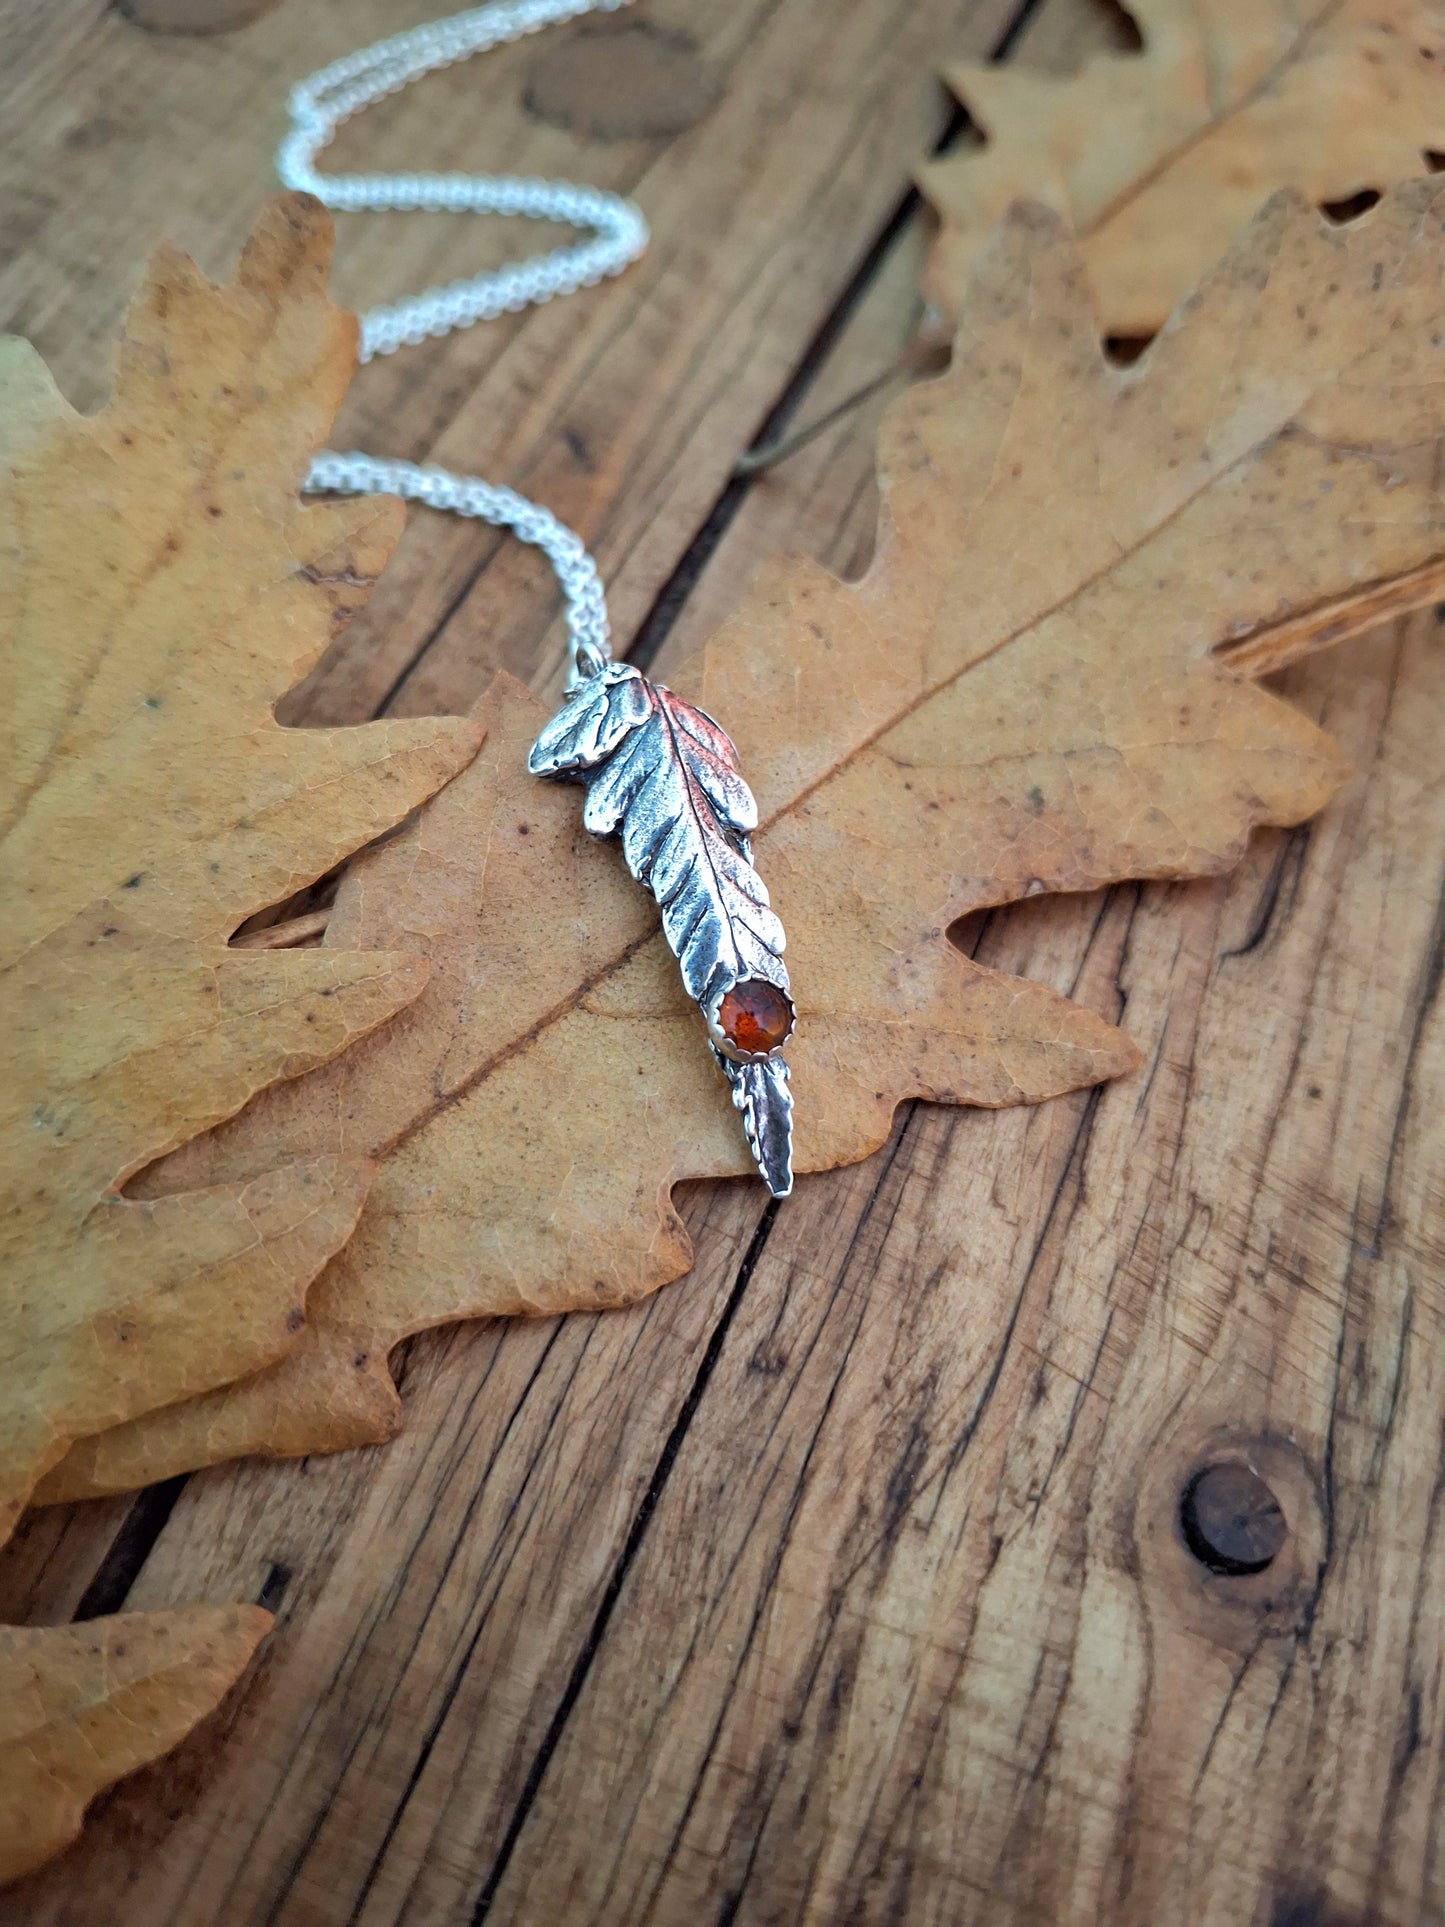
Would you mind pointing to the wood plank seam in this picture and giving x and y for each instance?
(631, 1546)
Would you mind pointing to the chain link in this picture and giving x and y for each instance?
(318, 106)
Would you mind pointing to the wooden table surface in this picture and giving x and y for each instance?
(843, 1581)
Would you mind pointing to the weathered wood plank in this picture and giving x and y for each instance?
(914, 1635)
(50, 1565)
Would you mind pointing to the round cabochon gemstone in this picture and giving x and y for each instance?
(755, 1016)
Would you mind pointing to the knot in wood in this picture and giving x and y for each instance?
(1231, 1520)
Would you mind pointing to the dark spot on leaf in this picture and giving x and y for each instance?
(134, 883)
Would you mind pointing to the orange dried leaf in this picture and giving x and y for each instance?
(161, 585)
(1159, 159)
(1024, 692)
(80, 1706)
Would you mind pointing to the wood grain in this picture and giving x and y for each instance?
(913, 1635)
(842, 1581)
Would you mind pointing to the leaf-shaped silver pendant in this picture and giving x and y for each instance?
(666, 776)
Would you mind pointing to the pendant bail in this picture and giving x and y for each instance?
(589, 659)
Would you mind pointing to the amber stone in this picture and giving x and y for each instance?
(755, 1016)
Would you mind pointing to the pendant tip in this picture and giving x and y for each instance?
(761, 1095)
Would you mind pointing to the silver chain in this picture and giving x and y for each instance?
(318, 106)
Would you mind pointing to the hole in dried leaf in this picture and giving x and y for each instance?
(1124, 350)
(1121, 27)
(1023, 936)
(1434, 160)
(273, 1588)
(963, 132)
(1351, 207)
(299, 921)
(1033, 908)
(966, 932)
(130, 1548)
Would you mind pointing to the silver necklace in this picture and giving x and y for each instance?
(658, 771)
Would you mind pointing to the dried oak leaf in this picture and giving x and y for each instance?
(1042, 683)
(82, 1705)
(161, 585)
(1159, 159)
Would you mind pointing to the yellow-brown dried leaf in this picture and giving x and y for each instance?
(160, 586)
(1159, 159)
(1042, 683)
(80, 1706)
